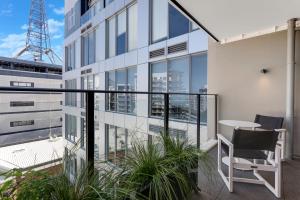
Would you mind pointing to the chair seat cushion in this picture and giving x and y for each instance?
(245, 153)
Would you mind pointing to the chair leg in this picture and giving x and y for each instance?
(230, 170)
(227, 180)
(278, 172)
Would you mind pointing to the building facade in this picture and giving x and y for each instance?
(34, 115)
(132, 45)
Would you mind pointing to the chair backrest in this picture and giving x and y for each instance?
(269, 122)
(254, 140)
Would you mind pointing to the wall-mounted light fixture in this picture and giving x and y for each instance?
(264, 71)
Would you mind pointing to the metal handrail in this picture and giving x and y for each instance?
(24, 89)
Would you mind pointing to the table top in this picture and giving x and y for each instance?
(239, 124)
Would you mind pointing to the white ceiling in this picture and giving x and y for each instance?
(226, 19)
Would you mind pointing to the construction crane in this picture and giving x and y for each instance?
(38, 39)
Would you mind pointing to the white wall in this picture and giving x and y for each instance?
(234, 74)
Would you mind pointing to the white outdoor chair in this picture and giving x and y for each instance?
(251, 144)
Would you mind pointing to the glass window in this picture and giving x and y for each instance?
(182, 75)
(158, 84)
(88, 48)
(121, 143)
(199, 73)
(21, 123)
(70, 127)
(121, 86)
(112, 37)
(159, 20)
(178, 23)
(117, 144)
(111, 83)
(92, 48)
(122, 80)
(111, 143)
(97, 134)
(97, 95)
(199, 85)
(70, 97)
(121, 33)
(132, 86)
(87, 83)
(132, 27)
(82, 132)
(85, 41)
(178, 81)
(70, 57)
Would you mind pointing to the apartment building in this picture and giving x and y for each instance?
(27, 117)
(132, 45)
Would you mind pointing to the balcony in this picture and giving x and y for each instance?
(98, 137)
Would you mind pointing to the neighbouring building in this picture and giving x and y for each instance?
(131, 45)
(31, 116)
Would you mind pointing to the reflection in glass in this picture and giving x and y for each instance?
(121, 86)
(111, 81)
(159, 20)
(178, 81)
(199, 85)
(132, 86)
(178, 23)
(112, 37)
(121, 34)
(132, 27)
(158, 84)
(97, 95)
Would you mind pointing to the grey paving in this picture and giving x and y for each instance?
(213, 187)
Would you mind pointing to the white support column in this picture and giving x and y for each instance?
(290, 90)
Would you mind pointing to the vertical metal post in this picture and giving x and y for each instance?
(166, 113)
(216, 116)
(290, 86)
(198, 120)
(90, 129)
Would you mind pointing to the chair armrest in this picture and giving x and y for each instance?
(281, 130)
(282, 133)
(225, 140)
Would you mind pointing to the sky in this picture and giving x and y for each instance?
(14, 16)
